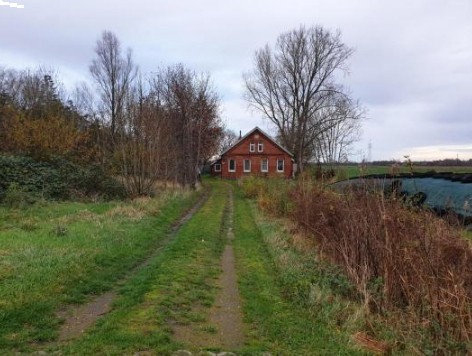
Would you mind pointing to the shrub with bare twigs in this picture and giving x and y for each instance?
(402, 260)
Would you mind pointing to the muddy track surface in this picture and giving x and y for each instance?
(78, 318)
(226, 314)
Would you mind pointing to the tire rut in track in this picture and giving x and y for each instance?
(226, 314)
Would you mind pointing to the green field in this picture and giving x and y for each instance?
(345, 172)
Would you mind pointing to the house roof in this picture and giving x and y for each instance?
(263, 133)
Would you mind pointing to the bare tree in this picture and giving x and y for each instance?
(192, 109)
(84, 100)
(114, 74)
(139, 144)
(170, 127)
(335, 141)
(294, 84)
(37, 92)
(227, 140)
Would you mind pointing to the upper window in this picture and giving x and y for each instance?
(217, 167)
(232, 165)
(247, 165)
(260, 147)
(252, 147)
(264, 165)
(280, 165)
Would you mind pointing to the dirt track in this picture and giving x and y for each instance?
(78, 318)
(225, 315)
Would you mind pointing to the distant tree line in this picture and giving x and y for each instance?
(139, 127)
(448, 162)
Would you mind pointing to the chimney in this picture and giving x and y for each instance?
(240, 136)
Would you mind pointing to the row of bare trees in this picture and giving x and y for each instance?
(142, 128)
(169, 129)
(294, 85)
(162, 127)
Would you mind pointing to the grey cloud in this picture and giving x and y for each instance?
(412, 67)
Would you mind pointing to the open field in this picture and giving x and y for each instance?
(345, 172)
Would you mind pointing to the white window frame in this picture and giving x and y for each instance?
(260, 147)
(229, 165)
(244, 166)
(252, 147)
(217, 167)
(262, 165)
(283, 165)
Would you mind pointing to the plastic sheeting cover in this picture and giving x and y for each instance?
(440, 193)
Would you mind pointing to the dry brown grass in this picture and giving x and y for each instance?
(367, 342)
(410, 267)
(399, 258)
(128, 212)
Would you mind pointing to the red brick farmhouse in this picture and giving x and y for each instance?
(254, 154)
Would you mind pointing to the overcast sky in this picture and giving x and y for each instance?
(411, 69)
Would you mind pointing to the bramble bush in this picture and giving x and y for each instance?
(55, 179)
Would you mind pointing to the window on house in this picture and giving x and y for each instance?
(280, 165)
(217, 167)
(247, 165)
(260, 147)
(265, 165)
(232, 165)
(252, 147)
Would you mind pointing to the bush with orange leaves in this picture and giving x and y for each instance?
(45, 137)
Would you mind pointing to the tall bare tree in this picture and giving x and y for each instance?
(335, 141)
(294, 84)
(228, 139)
(114, 73)
(170, 128)
(192, 109)
(140, 144)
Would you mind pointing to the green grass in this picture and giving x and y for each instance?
(58, 253)
(176, 287)
(468, 235)
(277, 296)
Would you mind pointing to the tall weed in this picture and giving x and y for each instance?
(272, 194)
